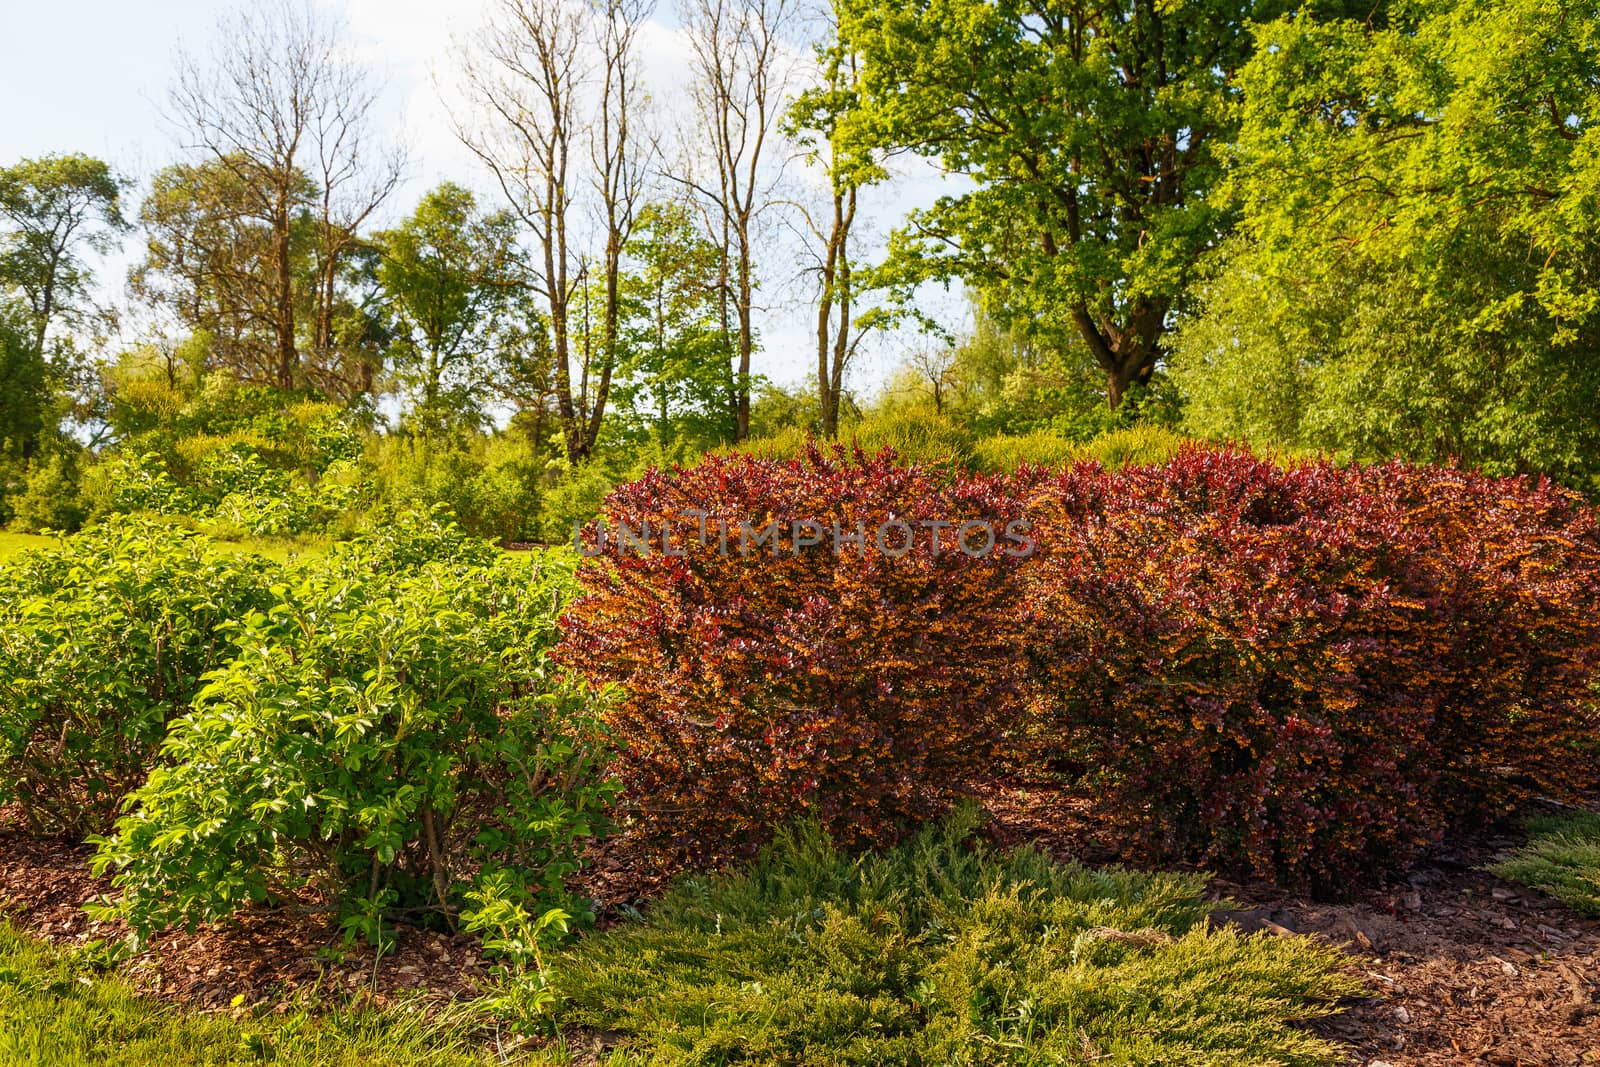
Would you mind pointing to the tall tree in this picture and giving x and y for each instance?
(677, 371)
(621, 158)
(279, 105)
(53, 209)
(212, 263)
(1419, 268)
(448, 273)
(553, 78)
(1091, 131)
(814, 122)
(24, 385)
(741, 71)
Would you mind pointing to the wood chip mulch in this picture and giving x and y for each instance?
(1463, 967)
(270, 960)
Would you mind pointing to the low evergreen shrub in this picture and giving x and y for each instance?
(943, 951)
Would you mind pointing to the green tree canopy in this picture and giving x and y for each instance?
(449, 275)
(52, 210)
(1091, 132)
(1417, 273)
(676, 367)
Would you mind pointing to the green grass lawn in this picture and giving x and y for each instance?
(941, 952)
(278, 549)
(56, 1012)
(12, 543)
(1561, 858)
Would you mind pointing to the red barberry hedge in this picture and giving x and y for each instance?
(1309, 672)
(761, 681)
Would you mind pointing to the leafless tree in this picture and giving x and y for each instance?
(936, 365)
(740, 77)
(283, 108)
(550, 79)
(621, 153)
(814, 123)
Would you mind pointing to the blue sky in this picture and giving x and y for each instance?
(89, 75)
(92, 76)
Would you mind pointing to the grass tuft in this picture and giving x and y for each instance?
(61, 1012)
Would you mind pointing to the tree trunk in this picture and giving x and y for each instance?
(287, 359)
(1127, 356)
(746, 333)
(830, 428)
(609, 330)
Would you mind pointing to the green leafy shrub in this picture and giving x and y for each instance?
(916, 436)
(1308, 673)
(941, 951)
(1040, 448)
(135, 483)
(390, 725)
(491, 485)
(519, 939)
(575, 500)
(104, 641)
(1132, 446)
(790, 442)
(13, 477)
(252, 461)
(860, 685)
(50, 498)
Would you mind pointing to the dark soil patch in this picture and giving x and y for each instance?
(1464, 968)
(267, 958)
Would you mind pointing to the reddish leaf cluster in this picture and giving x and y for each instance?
(1303, 672)
(1308, 673)
(762, 682)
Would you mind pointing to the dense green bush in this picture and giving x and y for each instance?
(104, 640)
(50, 498)
(1046, 448)
(232, 488)
(246, 460)
(390, 728)
(492, 485)
(916, 435)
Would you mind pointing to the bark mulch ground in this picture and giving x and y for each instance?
(1464, 968)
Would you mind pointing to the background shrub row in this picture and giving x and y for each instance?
(1306, 672)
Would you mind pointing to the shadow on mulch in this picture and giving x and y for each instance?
(1464, 968)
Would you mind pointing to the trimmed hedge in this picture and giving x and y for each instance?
(1308, 673)
(861, 688)
(1303, 672)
